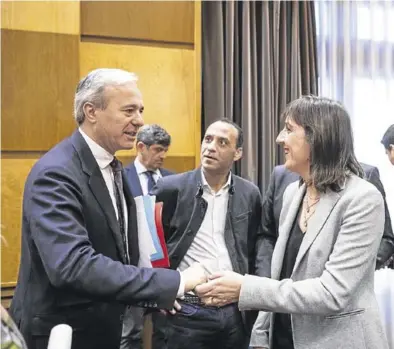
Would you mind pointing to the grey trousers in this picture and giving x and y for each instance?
(133, 323)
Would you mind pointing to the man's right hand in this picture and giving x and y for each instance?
(193, 276)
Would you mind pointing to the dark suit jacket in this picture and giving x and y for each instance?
(184, 210)
(72, 266)
(134, 180)
(280, 179)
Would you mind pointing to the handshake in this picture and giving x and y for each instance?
(217, 289)
(194, 276)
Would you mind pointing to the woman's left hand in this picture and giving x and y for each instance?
(222, 289)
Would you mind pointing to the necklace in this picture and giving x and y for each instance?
(307, 216)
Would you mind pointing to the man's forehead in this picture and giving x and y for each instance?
(221, 129)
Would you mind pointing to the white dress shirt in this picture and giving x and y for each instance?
(141, 169)
(208, 246)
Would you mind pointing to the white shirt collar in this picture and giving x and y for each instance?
(140, 168)
(206, 185)
(102, 156)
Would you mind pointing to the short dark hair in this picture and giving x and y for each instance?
(328, 131)
(240, 134)
(153, 134)
(388, 137)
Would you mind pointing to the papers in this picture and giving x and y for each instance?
(152, 247)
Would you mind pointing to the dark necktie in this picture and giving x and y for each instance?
(151, 180)
(117, 167)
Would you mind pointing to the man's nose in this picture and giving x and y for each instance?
(138, 120)
(211, 147)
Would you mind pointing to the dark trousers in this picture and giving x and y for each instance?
(199, 327)
(132, 328)
(159, 335)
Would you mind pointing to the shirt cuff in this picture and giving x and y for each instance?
(181, 290)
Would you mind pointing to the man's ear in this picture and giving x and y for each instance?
(90, 112)
(238, 154)
(391, 147)
(140, 146)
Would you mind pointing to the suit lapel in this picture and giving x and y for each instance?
(98, 188)
(284, 232)
(323, 210)
(133, 180)
(132, 229)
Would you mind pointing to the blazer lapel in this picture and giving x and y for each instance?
(284, 232)
(230, 238)
(323, 210)
(99, 189)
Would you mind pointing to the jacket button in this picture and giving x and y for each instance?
(189, 232)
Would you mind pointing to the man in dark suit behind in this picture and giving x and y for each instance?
(152, 145)
(213, 217)
(79, 234)
(272, 205)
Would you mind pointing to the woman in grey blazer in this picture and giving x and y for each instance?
(321, 291)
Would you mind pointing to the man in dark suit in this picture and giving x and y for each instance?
(280, 179)
(79, 232)
(152, 145)
(213, 217)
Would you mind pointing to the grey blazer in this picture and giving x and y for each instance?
(330, 294)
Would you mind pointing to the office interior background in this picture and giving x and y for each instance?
(196, 61)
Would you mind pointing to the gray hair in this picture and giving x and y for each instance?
(90, 89)
(153, 134)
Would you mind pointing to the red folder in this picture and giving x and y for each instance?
(163, 262)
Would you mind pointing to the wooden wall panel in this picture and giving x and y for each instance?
(176, 164)
(169, 21)
(39, 73)
(41, 16)
(166, 79)
(197, 80)
(13, 175)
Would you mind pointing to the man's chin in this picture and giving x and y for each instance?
(209, 167)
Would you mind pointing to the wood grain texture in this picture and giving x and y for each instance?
(198, 82)
(13, 177)
(171, 21)
(39, 73)
(176, 164)
(41, 16)
(6, 296)
(166, 79)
